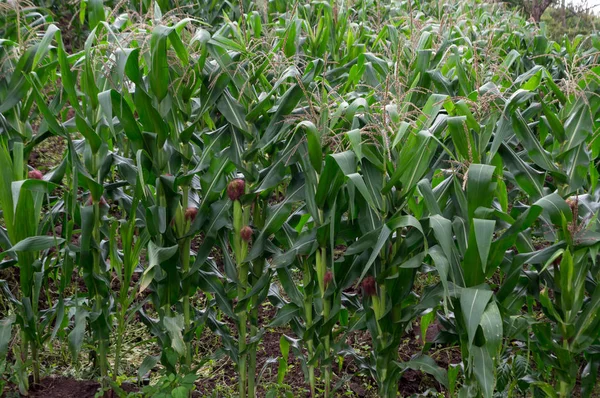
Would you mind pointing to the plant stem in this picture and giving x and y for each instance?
(377, 309)
(36, 362)
(242, 340)
(124, 303)
(240, 248)
(321, 270)
(253, 333)
(326, 309)
(120, 332)
(564, 386)
(103, 360)
(102, 347)
(185, 268)
(252, 361)
(185, 261)
(308, 312)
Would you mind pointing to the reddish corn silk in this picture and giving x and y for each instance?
(191, 213)
(557, 261)
(35, 174)
(236, 189)
(572, 204)
(90, 201)
(327, 278)
(246, 234)
(369, 286)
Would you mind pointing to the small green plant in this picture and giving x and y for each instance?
(172, 386)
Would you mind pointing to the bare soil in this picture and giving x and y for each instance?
(62, 387)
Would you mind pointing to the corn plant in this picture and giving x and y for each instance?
(24, 193)
(398, 250)
(22, 199)
(464, 263)
(124, 263)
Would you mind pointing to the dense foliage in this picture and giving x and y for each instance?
(571, 21)
(359, 166)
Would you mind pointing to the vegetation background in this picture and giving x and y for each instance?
(309, 198)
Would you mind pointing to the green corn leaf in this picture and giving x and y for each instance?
(219, 217)
(382, 238)
(577, 165)
(313, 139)
(49, 117)
(453, 371)
(356, 180)
(427, 365)
(233, 111)
(76, 335)
(95, 10)
(303, 246)
(473, 303)
(6, 193)
(36, 243)
(67, 76)
(174, 326)
(484, 233)
(491, 324)
(257, 288)
(121, 109)
(441, 264)
(331, 179)
(149, 116)
(588, 322)
(460, 136)
(568, 286)
(159, 73)
(504, 128)
(284, 315)
(209, 282)
(555, 208)
(147, 364)
(483, 367)
(546, 388)
(442, 230)
(286, 280)
(43, 47)
(415, 158)
(480, 187)
(556, 127)
(156, 256)
(276, 216)
(289, 49)
(578, 126)
(528, 178)
(5, 333)
(90, 135)
(534, 148)
(589, 376)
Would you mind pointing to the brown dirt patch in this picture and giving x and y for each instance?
(64, 388)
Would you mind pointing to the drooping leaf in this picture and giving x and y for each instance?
(473, 303)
